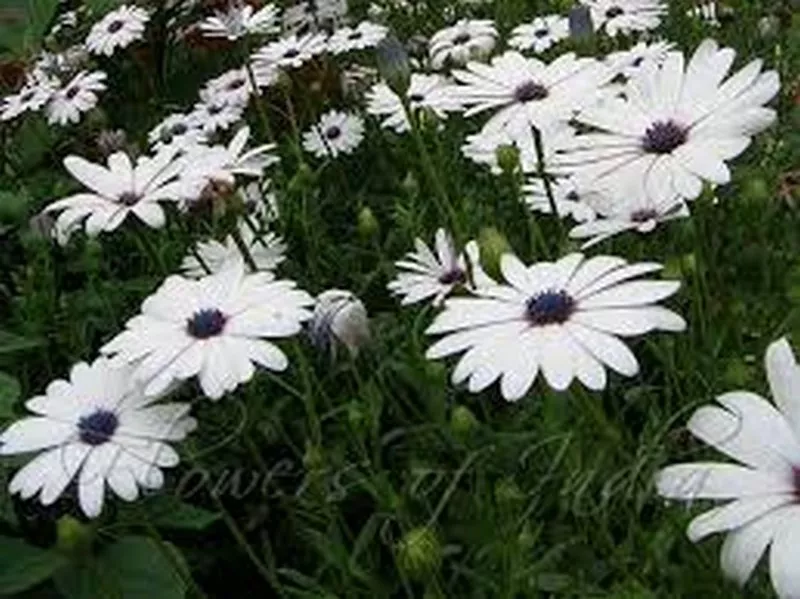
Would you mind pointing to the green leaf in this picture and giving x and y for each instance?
(9, 394)
(10, 343)
(141, 570)
(23, 566)
(170, 512)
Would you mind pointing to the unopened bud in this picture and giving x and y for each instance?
(73, 537)
(367, 223)
(493, 245)
(507, 158)
(463, 422)
(419, 553)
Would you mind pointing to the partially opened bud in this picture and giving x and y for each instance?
(339, 315)
(419, 553)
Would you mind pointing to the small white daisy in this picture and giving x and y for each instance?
(266, 249)
(78, 96)
(630, 62)
(540, 34)
(121, 189)
(30, 98)
(216, 328)
(760, 491)
(232, 87)
(240, 20)
(562, 318)
(466, 40)
(677, 125)
(99, 427)
(118, 29)
(218, 114)
(347, 39)
(289, 52)
(336, 133)
(339, 316)
(177, 131)
(626, 16)
(424, 91)
(525, 92)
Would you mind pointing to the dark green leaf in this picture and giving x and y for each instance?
(170, 512)
(142, 570)
(9, 394)
(10, 343)
(23, 566)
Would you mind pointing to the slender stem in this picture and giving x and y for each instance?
(244, 250)
(548, 188)
(260, 107)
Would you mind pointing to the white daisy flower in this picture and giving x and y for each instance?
(291, 51)
(462, 42)
(180, 132)
(761, 490)
(626, 16)
(335, 133)
(297, 18)
(676, 127)
(339, 316)
(260, 201)
(424, 91)
(570, 201)
(121, 189)
(240, 20)
(218, 114)
(266, 249)
(78, 96)
(347, 39)
(630, 62)
(424, 274)
(99, 427)
(232, 87)
(330, 12)
(626, 209)
(706, 12)
(525, 92)
(562, 318)
(118, 29)
(30, 98)
(216, 328)
(540, 34)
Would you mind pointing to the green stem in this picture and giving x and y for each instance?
(548, 187)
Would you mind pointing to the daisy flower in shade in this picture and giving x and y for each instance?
(339, 316)
(629, 62)
(335, 133)
(330, 12)
(240, 20)
(347, 39)
(626, 209)
(562, 318)
(266, 249)
(569, 200)
(525, 92)
(462, 42)
(761, 490)
(216, 328)
(78, 96)
(626, 16)
(97, 427)
(122, 188)
(289, 52)
(217, 114)
(706, 12)
(676, 127)
(430, 274)
(297, 18)
(30, 98)
(118, 29)
(540, 34)
(232, 87)
(178, 131)
(424, 91)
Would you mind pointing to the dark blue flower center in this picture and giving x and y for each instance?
(115, 26)
(206, 323)
(451, 277)
(550, 307)
(529, 91)
(129, 198)
(796, 474)
(614, 11)
(291, 53)
(643, 215)
(662, 137)
(462, 38)
(540, 33)
(333, 132)
(98, 427)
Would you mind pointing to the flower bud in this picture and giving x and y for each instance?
(73, 537)
(493, 245)
(508, 158)
(507, 493)
(339, 315)
(419, 553)
(367, 223)
(393, 65)
(463, 422)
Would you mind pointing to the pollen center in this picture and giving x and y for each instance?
(614, 11)
(530, 91)
(451, 277)
(540, 33)
(115, 26)
(129, 198)
(550, 307)
(98, 427)
(72, 92)
(291, 53)
(643, 215)
(662, 137)
(462, 38)
(333, 132)
(206, 323)
(354, 36)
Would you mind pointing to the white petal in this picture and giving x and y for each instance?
(783, 374)
(709, 480)
(784, 556)
(735, 514)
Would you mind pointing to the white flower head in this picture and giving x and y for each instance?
(232, 87)
(291, 51)
(30, 98)
(430, 92)
(364, 35)
(216, 328)
(330, 12)
(240, 20)
(99, 427)
(339, 315)
(78, 96)
(116, 191)
(297, 18)
(118, 29)
(562, 318)
(630, 62)
(218, 113)
(760, 488)
(260, 200)
(179, 131)
(524, 92)
(266, 249)
(336, 133)
(626, 16)
(540, 34)
(570, 201)
(466, 40)
(677, 125)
